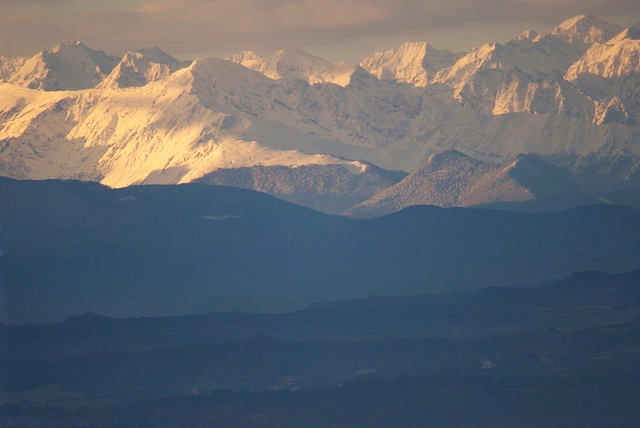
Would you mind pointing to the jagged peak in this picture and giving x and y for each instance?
(70, 65)
(479, 55)
(586, 29)
(220, 70)
(68, 48)
(475, 59)
(381, 64)
(295, 63)
(157, 55)
(141, 67)
(418, 48)
(415, 63)
(211, 63)
(617, 57)
(69, 44)
(576, 21)
(486, 49)
(421, 45)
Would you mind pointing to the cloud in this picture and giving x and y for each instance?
(192, 28)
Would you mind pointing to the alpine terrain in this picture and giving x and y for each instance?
(537, 117)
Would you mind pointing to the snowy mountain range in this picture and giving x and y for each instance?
(335, 135)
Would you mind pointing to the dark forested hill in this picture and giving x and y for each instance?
(73, 247)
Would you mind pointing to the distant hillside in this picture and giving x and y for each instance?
(450, 179)
(72, 247)
(330, 188)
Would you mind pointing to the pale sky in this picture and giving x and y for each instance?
(333, 29)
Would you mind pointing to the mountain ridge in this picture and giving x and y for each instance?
(149, 118)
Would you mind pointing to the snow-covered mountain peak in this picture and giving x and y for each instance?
(412, 63)
(618, 57)
(141, 67)
(486, 56)
(297, 64)
(586, 29)
(222, 72)
(69, 46)
(75, 53)
(225, 86)
(520, 76)
(68, 66)
(295, 54)
(157, 55)
(526, 74)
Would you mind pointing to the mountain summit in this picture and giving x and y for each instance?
(141, 67)
(586, 29)
(413, 63)
(68, 66)
(298, 64)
